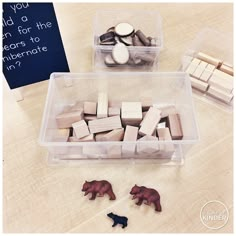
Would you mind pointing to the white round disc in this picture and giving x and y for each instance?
(120, 53)
(124, 29)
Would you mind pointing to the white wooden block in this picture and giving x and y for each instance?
(205, 76)
(65, 120)
(209, 59)
(222, 81)
(61, 135)
(114, 111)
(227, 69)
(150, 122)
(164, 135)
(146, 103)
(146, 147)
(224, 96)
(89, 138)
(102, 107)
(166, 109)
(104, 124)
(198, 84)
(131, 113)
(174, 124)
(81, 129)
(193, 66)
(114, 135)
(199, 70)
(131, 134)
(99, 136)
(90, 108)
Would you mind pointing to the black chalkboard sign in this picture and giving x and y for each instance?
(32, 45)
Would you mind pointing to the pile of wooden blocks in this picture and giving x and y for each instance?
(105, 120)
(212, 75)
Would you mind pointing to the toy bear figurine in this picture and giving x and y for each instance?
(147, 194)
(98, 187)
(118, 220)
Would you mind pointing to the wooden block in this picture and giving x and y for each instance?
(104, 124)
(61, 135)
(146, 147)
(99, 136)
(174, 124)
(89, 138)
(146, 103)
(90, 117)
(222, 81)
(102, 107)
(164, 135)
(114, 103)
(192, 66)
(227, 69)
(81, 129)
(209, 59)
(205, 76)
(114, 135)
(161, 125)
(131, 113)
(131, 134)
(198, 84)
(114, 111)
(165, 109)
(65, 120)
(217, 93)
(199, 70)
(150, 122)
(90, 108)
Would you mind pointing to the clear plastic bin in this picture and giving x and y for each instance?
(149, 22)
(216, 44)
(164, 88)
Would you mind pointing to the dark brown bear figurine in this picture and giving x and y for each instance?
(98, 187)
(148, 194)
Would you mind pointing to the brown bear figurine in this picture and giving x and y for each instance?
(98, 187)
(148, 194)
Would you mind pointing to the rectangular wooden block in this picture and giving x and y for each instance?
(192, 66)
(131, 113)
(131, 134)
(164, 135)
(148, 148)
(114, 135)
(199, 70)
(104, 124)
(90, 108)
(227, 69)
(217, 93)
(65, 120)
(205, 76)
(113, 111)
(222, 81)
(146, 103)
(174, 124)
(90, 117)
(81, 129)
(99, 136)
(102, 106)
(150, 122)
(198, 84)
(89, 138)
(61, 135)
(209, 59)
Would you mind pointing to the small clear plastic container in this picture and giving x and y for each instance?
(216, 44)
(164, 88)
(149, 22)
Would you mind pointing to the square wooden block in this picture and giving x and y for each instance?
(131, 113)
(81, 129)
(90, 108)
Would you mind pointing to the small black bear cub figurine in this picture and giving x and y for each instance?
(118, 220)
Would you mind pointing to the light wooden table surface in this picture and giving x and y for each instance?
(39, 198)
